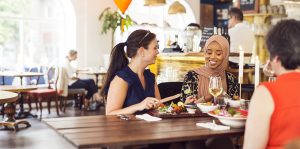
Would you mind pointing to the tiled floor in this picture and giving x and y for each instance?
(39, 135)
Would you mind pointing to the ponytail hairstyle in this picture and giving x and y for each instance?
(119, 58)
(283, 41)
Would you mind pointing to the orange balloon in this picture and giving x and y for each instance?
(122, 4)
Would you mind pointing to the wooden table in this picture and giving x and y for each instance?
(20, 89)
(112, 132)
(96, 73)
(9, 99)
(20, 74)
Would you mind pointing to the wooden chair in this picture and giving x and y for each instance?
(167, 89)
(77, 94)
(47, 94)
(247, 86)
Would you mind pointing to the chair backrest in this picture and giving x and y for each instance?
(6, 80)
(32, 80)
(167, 89)
(52, 76)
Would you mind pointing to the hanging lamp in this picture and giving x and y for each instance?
(176, 8)
(154, 2)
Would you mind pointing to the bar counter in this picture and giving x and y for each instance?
(171, 67)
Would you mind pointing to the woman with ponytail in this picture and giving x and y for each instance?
(130, 88)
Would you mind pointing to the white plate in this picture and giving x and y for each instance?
(235, 122)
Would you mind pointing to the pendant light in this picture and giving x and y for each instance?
(154, 2)
(176, 8)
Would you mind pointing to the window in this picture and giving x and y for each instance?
(34, 32)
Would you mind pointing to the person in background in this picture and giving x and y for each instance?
(196, 82)
(275, 106)
(240, 34)
(130, 88)
(74, 82)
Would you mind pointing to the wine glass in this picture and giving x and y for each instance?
(215, 87)
(268, 69)
(271, 79)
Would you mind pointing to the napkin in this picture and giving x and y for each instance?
(213, 126)
(148, 118)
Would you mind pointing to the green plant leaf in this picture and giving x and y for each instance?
(112, 19)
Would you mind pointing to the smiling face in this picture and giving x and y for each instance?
(150, 54)
(214, 55)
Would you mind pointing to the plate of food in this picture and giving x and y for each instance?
(178, 110)
(232, 117)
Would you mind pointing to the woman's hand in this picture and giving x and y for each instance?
(190, 99)
(149, 103)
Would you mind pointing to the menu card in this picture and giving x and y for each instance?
(206, 33)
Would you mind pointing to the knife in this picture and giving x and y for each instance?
(169, 98)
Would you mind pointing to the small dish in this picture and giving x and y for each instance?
(191, 109)
(233, 103)
(206, 107)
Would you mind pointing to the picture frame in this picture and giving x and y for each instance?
(248, 6)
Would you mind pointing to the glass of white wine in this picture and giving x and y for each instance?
(215, 87)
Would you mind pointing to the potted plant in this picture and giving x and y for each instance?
(113, 19)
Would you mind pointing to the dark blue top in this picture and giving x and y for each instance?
(136, 92)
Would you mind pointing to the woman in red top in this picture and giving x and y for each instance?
(273, 118)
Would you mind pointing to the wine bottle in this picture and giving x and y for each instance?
(226, 35)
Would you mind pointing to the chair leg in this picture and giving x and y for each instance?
(80, 101)
(65, 103)
(41, 106)
(49, 104)
(29, 103)
(36, 103)
(61, 99)
(56, 105)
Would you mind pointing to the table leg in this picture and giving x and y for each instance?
(21, 77)
(9, 111)
(22, 113)
(97, 79)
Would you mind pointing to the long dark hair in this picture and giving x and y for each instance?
(119, 58)
(283, 40)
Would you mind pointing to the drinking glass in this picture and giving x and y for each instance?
(215, 87)
(271, 79)
(268, 69)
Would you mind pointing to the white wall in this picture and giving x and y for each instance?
(195, 5)
(90, 43)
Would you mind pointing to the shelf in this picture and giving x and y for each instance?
(265, 14)
(260, 35)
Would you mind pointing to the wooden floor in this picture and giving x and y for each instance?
(39, 135)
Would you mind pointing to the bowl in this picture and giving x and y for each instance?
(234, 122)
(233, 103)
(191, 109)
(206, 108)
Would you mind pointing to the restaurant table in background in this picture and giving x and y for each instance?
(19, 74)
(96, 73)
(21, 90)
(113, 132)
(9, 99)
